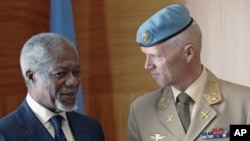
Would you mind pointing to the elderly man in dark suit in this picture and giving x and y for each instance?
(51, 70)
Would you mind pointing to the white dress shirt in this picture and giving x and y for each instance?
(44, 116)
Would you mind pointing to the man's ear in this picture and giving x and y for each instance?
(189, 52)
(31, 76)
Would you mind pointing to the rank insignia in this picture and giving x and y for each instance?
(170, 118)
(164, 100)
(216, 133)
(157, 137)
(204, 114)
(214, 95)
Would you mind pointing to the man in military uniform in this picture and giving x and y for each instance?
(191, 104)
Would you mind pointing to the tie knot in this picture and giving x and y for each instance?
(183, 98)
(56, 121)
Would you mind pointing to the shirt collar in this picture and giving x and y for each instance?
(42, 113)
(196, 88)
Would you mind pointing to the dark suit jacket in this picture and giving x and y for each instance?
(23, 125)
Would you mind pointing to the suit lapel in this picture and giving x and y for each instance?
(204, 112)
(33, 129)
(203, 115)
(37, 132)
(168, 114)
(80, 133)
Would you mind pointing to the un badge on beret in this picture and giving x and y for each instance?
(145, 37)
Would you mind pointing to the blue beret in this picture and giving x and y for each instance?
(163, 25)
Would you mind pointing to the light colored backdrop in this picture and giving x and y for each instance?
(226, 37)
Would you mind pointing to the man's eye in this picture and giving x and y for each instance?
(156, 57)
(77, 73)
(60, 74)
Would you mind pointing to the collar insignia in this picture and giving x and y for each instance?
(204, 114)
(170, 118)
(164, 99)
(214, 94)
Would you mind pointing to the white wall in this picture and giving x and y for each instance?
(226, 37)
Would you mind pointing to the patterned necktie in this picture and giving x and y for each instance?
(56, 121)
(184, 111)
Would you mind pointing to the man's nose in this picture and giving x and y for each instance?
(72, 80)
(148, 64)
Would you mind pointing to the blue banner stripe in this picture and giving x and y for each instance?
(62, 22)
